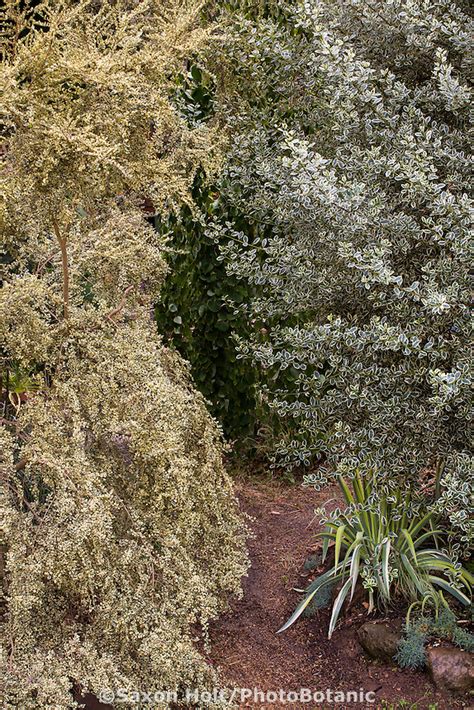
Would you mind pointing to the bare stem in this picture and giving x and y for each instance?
(65, 266)
(122, 303)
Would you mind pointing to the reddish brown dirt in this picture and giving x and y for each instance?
(249, 652)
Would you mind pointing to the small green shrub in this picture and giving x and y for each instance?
(194, 312)
(16, 384)
(391, 546)
(321, 600)
(411, 650)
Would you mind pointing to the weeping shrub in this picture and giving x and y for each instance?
(120, 535)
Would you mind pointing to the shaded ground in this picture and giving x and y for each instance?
(250, 653)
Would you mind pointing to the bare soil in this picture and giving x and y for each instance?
(249, 652)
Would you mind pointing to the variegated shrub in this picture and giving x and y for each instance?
(352, 145)
(120, 534)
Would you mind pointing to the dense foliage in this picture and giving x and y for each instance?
(351, 144)
(194, 314)
(201, 307)
(334, 248)
(120, 534)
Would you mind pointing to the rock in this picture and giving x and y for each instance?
(379, 640)
(451, 669)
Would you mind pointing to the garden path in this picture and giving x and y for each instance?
(244, 642)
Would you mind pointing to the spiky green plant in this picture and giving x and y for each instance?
(392, 547)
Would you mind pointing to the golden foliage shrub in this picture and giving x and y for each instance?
(121, 538)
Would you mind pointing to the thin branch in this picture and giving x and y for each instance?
(122, 303)
(65, 266)
(21, 464)
(42, 264)
(8, 422)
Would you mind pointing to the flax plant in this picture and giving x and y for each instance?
(392, 551)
